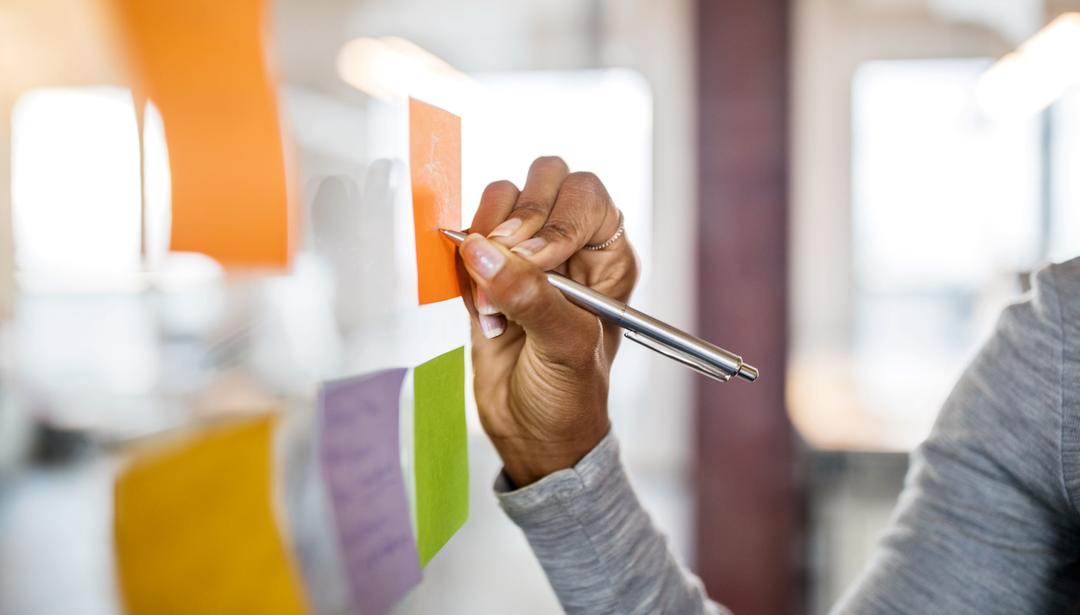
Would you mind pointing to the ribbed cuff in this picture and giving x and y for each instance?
(534, 505)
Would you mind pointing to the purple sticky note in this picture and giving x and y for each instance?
(358, 454)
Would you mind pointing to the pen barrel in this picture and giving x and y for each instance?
(643, 324)
(708, 359)
(588, 299)
(676, 339)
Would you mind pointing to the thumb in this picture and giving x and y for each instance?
(521, 291)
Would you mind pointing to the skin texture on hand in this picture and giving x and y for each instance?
(541, 363)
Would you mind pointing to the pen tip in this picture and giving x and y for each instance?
(454, 236)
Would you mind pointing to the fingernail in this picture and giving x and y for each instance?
(492, 326)
(482, 256)
(530, 246)
(483, 304)
(506, 229)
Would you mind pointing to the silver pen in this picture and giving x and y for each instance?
(694, 352)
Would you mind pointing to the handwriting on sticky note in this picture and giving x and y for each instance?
(442, 461)
(358, 454)
(202, 63)
(195, 531)
(435, 169)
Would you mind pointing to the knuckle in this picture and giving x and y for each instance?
(585, 182)
(560, 231)
(522, 291)
(617, 277)
(626, 275)
(529, 208)
(499, 188)
(628, 265)
(549, 161)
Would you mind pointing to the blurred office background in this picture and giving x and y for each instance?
(844, 191)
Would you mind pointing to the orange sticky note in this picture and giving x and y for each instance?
(195, 531)
(203, 63)
(435, 166)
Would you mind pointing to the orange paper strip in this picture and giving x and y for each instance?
(195, 531)
(435, 163)
(202, 62)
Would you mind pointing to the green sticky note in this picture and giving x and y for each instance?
(442, 463)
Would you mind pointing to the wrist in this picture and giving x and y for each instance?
(527, 461)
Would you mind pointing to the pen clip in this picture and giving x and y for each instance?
(686, 359)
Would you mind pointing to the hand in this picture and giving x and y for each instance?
(541, 363)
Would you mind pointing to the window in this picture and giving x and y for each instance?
(947, 217)
(1064, 223)
(77, 193)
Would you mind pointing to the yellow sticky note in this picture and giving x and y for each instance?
(195, 532)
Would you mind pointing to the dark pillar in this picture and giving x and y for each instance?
(750, 508)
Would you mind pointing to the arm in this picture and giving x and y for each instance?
(597, 545)
(985, 523)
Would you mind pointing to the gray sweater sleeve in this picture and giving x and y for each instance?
(597, 544)
(987, 521)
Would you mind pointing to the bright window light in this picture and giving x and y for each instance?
(946, 215)
(1065, 223)
(157, 186)
(1031, 78)
(389, 67)
(75, 182)
(942, 199)
(599, 121)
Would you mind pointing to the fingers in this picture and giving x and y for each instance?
(583, 213)
(491, 325)
(548, 222)
(518, 215)
(533, 205)
(495, 204)
(560, 331)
